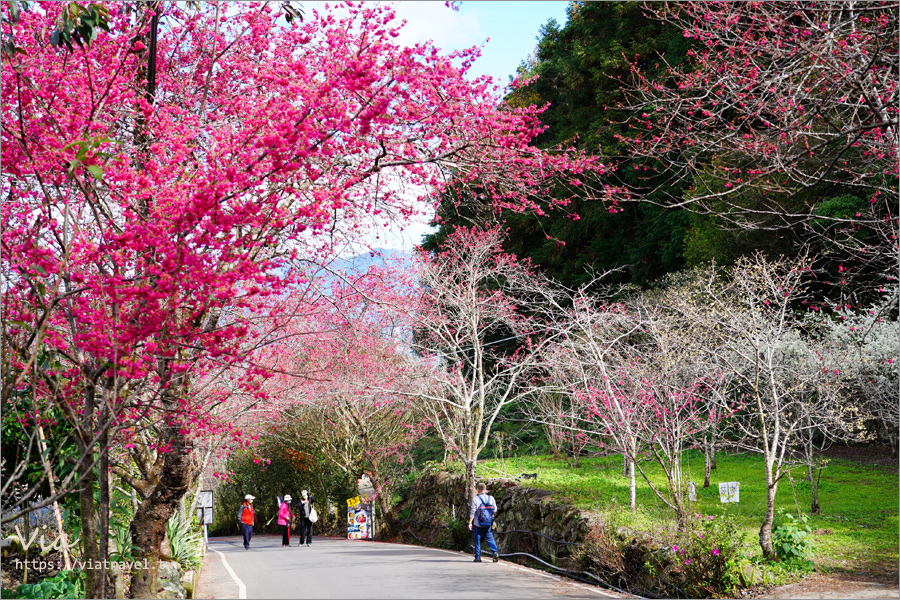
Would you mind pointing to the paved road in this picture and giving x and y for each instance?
(338, 568)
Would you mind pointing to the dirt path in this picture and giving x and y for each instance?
(837, 585)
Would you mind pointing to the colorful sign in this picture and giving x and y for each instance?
(359, 521)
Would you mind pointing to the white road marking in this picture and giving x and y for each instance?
(242, 589)
(560, 578)
(601, 592)
(531, 571)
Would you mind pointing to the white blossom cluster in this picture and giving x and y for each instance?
(864, 345)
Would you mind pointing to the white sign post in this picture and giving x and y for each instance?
(692, 491)
(205, 512)
(729, 491)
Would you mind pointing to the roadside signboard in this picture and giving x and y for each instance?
(730, 491)
(205, 512)
(205, 507)
(359, 519)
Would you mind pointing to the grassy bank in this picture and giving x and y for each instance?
(857, 527)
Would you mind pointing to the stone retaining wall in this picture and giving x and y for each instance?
(438, 499)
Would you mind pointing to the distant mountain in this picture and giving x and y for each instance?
(377, 256)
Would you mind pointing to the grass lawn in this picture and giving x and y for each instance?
(858, 524)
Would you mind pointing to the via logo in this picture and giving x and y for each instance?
(61, 541)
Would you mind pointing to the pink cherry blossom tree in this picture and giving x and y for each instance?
(581, 367)
(637, 386)
(777, 105)
(160, 180)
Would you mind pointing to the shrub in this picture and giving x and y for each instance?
(460, 537)
(631, 559)
(185, 542)
(790, 538)
(65, 584)
(709, 556)
(602, 554)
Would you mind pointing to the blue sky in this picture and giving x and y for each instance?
(508, 30)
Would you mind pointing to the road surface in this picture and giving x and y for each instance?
(338, 568)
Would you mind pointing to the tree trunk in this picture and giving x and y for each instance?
(104, 507)
(628, 458)
(384, 503)
(471, 466)
(810, 459)
(814, 507)
(765, 531)
(148, 529)
(553, 439)
(632, 486)
(676, 484)
(91, 557)
(713, 440)
(576, 451)
(707, 462)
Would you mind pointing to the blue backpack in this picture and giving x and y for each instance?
(485, 513)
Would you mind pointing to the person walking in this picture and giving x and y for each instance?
(285, 519)
(247, 519)
(305, 509)
(481, 517)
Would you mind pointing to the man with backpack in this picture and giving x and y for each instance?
(481, 517)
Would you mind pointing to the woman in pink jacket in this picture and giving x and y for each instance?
(285, 518)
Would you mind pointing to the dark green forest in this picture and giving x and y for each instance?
(582, 72)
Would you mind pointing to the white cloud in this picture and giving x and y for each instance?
(446, 28)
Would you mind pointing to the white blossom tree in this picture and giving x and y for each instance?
(863, 342)
(481, 325)
(775, 369)
(637, 383)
